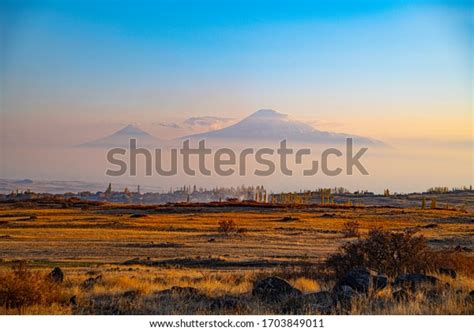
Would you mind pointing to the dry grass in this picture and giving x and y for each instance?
(92, 241)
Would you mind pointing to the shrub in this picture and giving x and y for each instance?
(388, 252)
(227, 227)
(21, 288)
(351, 229)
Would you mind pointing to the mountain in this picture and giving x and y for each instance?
(269, 125)
(122, 138)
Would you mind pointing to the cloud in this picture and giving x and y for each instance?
(169, 125)
(325, 124)
(209, 122)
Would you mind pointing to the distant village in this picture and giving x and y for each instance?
(180, 194)
(194, 194)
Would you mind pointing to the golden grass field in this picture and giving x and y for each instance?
(140, 250)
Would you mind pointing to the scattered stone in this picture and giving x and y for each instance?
(414, 282)
(448, 272)
(274, 289)
(56, 275)
(363, 280)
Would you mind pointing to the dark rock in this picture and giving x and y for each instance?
(289, 219)
(130, 295)
(56, 275)
(73, 301)
(414, 282)
(273, 289)
(363, 280)
(448, 272)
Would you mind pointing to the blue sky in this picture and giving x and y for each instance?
(96, 63)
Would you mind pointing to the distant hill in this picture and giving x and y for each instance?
(122, 138)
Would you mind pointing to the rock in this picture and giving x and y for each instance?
(363, 280)
(273, 289)
(56, 275)
(73, 301)
(448, 272)
(414, 282)
(401, 295)
(130, 295)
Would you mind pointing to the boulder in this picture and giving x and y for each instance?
(362, 280)
(414, 282)
(56, 275)
(73, 301)
(274, 289)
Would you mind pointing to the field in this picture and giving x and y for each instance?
(120, 259)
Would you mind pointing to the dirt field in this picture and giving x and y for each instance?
(146, 249)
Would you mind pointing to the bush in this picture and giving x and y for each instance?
(391, 253)
(21, 288)
(351, 229)
(227, 227)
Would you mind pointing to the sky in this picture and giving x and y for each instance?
(393, 70)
